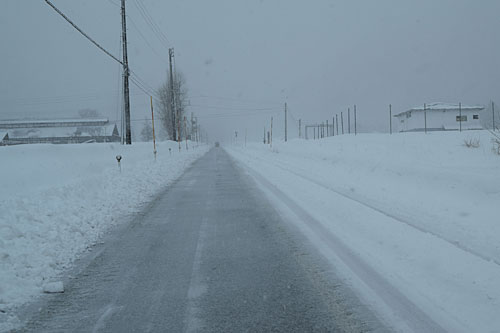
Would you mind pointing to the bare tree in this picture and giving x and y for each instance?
(88, 113)
(173, 113)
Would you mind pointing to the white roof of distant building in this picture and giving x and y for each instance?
(53, 122)
(443, 107)
(58, 132)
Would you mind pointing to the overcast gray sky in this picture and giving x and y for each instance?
(244, 58)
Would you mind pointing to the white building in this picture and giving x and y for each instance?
(440, 117)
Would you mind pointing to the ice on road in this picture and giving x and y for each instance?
(209, 254)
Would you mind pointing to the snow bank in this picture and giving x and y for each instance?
(56, 200)
(420, 210)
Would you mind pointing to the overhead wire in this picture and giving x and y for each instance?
(152, 24)
(145, 39)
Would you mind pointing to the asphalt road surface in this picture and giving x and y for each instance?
(210, 254)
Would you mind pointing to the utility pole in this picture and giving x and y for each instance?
(342, 122)
(493, 110)
(390, 119)
(153, 121)
(126, 97)
(286, 133)
(349, 120)
(196, 130)
(185, 132)
(327, 129)
(271, 142)
(191, 132)
(337, 123)
(300, 128)
(172, 97)
(123, 62)
(333, 126)
(355, 122)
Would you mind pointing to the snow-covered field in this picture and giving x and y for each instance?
(411, 221)
(57, 200)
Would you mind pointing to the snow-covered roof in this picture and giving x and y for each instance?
(443, 107)
(53, 123)
(58, 132)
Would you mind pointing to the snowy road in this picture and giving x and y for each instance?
(209, 254)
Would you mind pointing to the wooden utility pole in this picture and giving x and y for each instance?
(355, 122)
(342, 121)
(390, 119)
(286, 125)
(493, 110)
(337, 123)
(153, 121)
(185, 132)
(172, 96)
(271, 142)
(126, 92)
(349, 120)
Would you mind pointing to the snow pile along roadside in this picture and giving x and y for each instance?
(411, 220)
(56, 201)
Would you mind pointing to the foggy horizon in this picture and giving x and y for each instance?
(244, 59)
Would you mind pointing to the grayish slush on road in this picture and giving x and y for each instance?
(210, 254)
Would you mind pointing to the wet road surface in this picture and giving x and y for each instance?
(210, 254)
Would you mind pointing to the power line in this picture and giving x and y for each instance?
(145, 39)
(82, 32)
(152, 25)
(232, 108)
